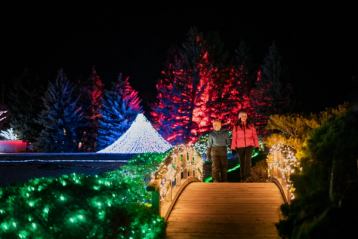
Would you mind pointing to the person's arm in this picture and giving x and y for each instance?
(254, 136)
(233, 142)
(210, 144)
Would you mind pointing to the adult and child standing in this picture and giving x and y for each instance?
(244, 140)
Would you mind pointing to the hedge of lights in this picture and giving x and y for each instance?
(111, 205)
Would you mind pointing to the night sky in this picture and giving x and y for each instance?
(319, 51)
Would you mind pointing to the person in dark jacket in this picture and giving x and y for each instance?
(244, 139)
(218, 142)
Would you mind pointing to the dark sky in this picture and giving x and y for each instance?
(319, 51)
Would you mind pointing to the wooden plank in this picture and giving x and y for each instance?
(186, 235)
(226, 210)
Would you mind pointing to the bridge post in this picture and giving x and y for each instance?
(184, 163)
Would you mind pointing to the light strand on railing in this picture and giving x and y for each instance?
(283, 162)
(169, 175)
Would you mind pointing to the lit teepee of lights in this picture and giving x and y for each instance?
(141, 137)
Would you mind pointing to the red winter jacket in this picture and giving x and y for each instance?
(244, 137)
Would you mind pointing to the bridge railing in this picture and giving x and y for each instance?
(281, 164)
(182, 166)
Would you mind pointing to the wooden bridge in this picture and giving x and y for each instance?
(194, 209)
(226, 210)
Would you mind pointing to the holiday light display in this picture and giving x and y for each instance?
(282, 162)
(2, 117)
(187, 104)
(141, 137)
(9, 134)
(110, 205)
(182, 164)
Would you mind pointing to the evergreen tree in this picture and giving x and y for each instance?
(61, 117)
(273, 75)
(91, 101)
(270, 95)
(166, 116)
(181, 113)
(261, 101)
(3, 116)
(326, 185)
(195, 88)
(25, 105)
(244, 64)
(219, 56)
(227, 97)
(116, 114)
(128, 93)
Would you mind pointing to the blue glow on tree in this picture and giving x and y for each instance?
(61, 117)
(117, 113)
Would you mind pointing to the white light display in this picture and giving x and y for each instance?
(282, 162)
(1, 113)
(9, 134)
(141, 137)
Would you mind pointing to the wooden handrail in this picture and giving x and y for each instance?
(182, 166)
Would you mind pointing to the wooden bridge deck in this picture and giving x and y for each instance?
(226, 210)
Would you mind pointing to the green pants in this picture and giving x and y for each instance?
(219, 165)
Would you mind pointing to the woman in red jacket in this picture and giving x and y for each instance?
(244, 139)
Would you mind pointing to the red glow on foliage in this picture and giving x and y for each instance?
(96, 90)
(206, 56)
(259, 75)
(190, 97)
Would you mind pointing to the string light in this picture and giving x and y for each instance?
(1, 113)
(9, 134)
(141, 137)
(282, 162)
(27, 212)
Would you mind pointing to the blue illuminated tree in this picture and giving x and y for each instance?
(117, 113)
(61, 117)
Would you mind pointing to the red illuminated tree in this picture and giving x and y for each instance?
(181, 112)
(91, 99)
(226, 96)
(128, 93)
(193, 90)
(196, 87)
(244, 63)
(261, 101)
